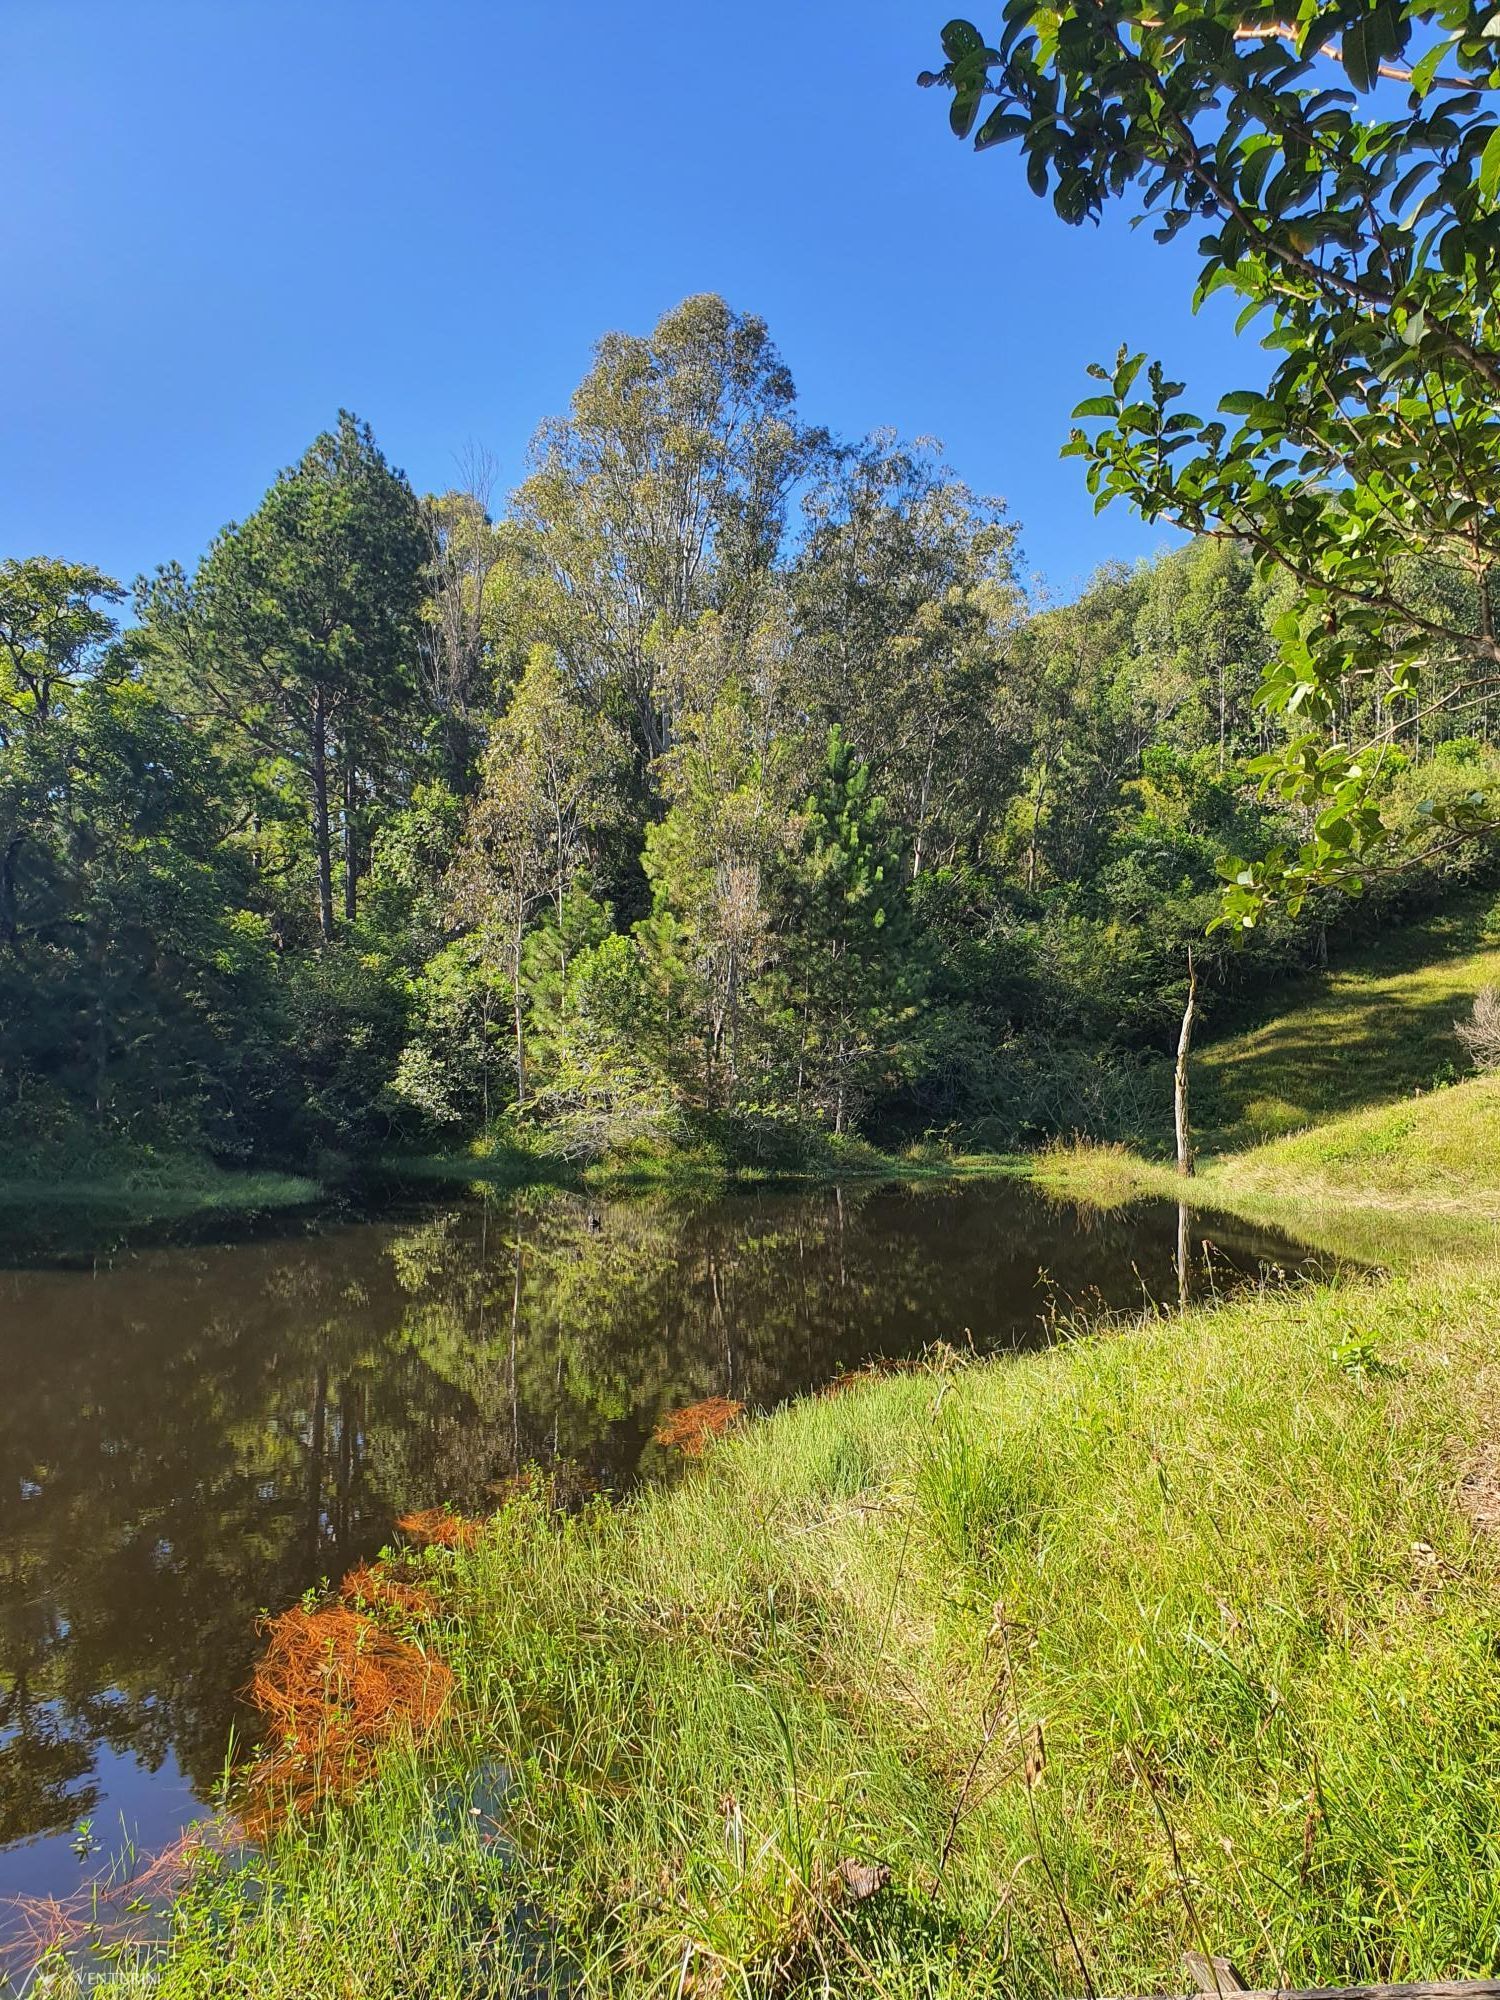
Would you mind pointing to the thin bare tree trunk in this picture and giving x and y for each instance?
(520, 1025)
(1180, 1090)
(320, 815)
(351, 857)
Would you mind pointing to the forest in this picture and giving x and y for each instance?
(728, 787)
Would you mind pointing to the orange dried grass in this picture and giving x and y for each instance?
(439, 1527)
(333, 1686)
(872, 1371)
(372, 1587)
(693, 1429)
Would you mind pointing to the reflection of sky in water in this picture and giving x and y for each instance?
(132, 1808)
(192, 1435)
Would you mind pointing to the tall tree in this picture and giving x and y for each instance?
(56, 629)
(661, 495)
(855, 974)
(299, 633)
(550, 786)
(456, 655)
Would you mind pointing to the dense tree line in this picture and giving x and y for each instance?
(727, 780)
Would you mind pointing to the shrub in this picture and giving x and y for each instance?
(1480, 1034)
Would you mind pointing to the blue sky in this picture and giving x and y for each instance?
(224, 219)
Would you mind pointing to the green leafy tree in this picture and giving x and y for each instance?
(299, 635)
(1343, 165)
(549, 788)
(907, 603)
(55, 634)
(660, 496)
(855, 977)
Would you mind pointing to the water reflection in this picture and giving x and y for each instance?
(193, 1435)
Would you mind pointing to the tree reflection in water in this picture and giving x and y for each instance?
(192, 1435)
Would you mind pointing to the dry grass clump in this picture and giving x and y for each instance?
(873, 1371)
(375, 1587)
(694, 1428)
(440, 1528)
(108, 1916)
(1480, 1034)
(333, 1686)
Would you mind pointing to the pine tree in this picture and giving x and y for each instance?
(857, 971)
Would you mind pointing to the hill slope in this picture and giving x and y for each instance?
(1376, 1028)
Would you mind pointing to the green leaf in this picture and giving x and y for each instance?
(1361, 57)
(963, 111)
(960, 39)
(1489, 166)
(1000, 125)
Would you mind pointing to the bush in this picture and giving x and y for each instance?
(1480, 1034)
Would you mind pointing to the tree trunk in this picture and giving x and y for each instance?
(520, 1026)
(734, 1025)
(10, 919)
(1180, 1091)
(320, 815)
(351, 857)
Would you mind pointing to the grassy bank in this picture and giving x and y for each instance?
(1177, 1636)
(71, 1205)
(1344, 1121)
(1375, 1028)
(629, 1168)
(1185, 1636)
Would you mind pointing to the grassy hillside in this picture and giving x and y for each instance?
(1180, 1635)
(1345, 1120)
(1376, 1027)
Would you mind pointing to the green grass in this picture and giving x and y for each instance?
(1218, 1576)
(1180, 1635)
(1375, 1028)
(71, 1212)
(629, 1169)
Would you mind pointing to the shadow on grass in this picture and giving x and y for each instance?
(1354, 1049)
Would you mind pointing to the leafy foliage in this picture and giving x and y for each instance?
(1344, 167)
(724, 791)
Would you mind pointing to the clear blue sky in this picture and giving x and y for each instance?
(223, 219)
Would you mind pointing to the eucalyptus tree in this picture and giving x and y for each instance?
(549, 787)
(907, 604)
(298, 635)
(712, 861)
(1343, 166)
(460, 655)
(661, 495)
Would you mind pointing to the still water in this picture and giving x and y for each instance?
(193, 1434)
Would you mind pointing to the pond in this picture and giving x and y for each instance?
(193, 1434)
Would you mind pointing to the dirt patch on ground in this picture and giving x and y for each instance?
(1479, 1489)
